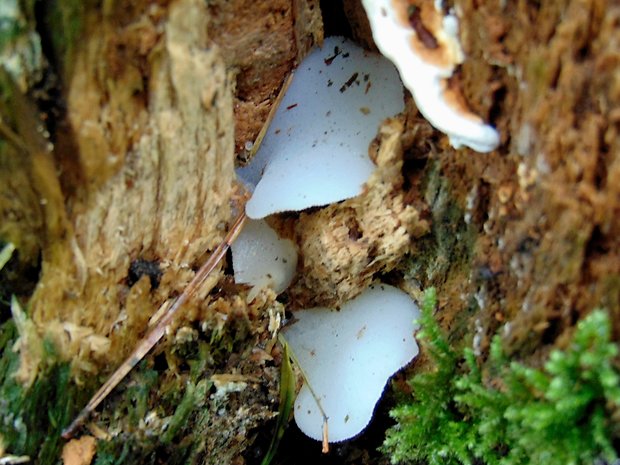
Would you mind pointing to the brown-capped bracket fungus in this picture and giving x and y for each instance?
(423, 43)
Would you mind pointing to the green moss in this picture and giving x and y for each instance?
(136, 396)
(66, 20)
(20, 45)
(165, 408)
(173, 411)
(167, 436)
(514, 414)
(33, 418)
(10, 29)
(109, 453)
(195, 395)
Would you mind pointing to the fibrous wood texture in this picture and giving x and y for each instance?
(153, 148)
(161, 96)
(548, 200)
(261, 42)
(142, 168)
(345, 245)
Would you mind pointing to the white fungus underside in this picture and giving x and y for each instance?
(262, 259)
(316, 149)
(348, 356)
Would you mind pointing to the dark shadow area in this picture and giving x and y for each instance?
(334, 20)
(298, 449)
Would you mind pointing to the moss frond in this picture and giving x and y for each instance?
(557, 415)
(33, 417)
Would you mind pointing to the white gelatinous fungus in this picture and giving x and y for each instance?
(316, 149)
(424, 46)
(261, 258)
(347, 357)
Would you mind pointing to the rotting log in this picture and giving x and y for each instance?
(527, 234)
(150, 144)
(523, 241)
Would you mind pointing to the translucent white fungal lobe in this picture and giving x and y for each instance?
(261, 258)
(348, 356)
(315, 151)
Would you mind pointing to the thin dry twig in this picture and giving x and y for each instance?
(325, 441)
(270, 116)
(159, 330)
(12, 137)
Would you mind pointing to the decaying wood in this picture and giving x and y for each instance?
(156, 175)
(260, 43)
(160, 97)
(154, 97)
(344, 245)
(538, 221)
(158, 331)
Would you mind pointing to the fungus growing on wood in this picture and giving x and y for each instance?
(424, 46)
(316, 150)
(261, 258)
(347, 357)
(315, 153)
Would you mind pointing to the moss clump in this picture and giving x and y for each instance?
(148, 433)
(181, 402)
(33, 418)
(559, 414)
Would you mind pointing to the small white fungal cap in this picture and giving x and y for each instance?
(316, 149)
(261, 258)
(424, 46)
(348, 356)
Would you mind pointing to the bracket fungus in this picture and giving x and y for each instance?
(347, 357)
(423, 44)
(315, 151)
